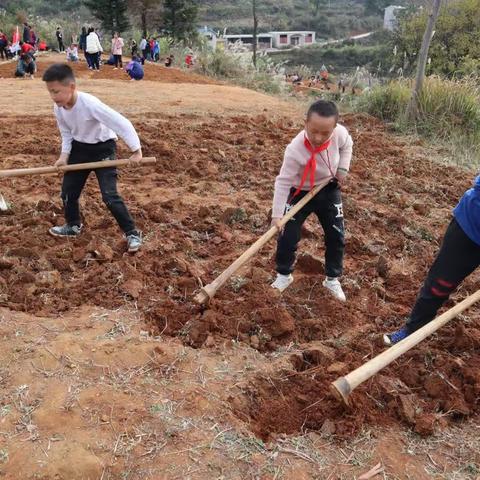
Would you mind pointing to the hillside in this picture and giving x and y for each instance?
(337, 18)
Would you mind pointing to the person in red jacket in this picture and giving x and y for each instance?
(26, 48)
(3, 46)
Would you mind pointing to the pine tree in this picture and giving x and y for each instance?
(180, 18)
(112, 14)
(146, 11)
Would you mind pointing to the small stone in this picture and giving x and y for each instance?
(177, 264)
(407, 407)
(203, 212)
(226, 235)
(259, 275)
(211, 168)
(51, 279)
(328, 427)
(5, 264)
(104, 418)
(210, 342)
(420, 208)
(254, 341)
(337, 368)
(310, 264)
(133, 288)
(101, 250)
(79, 254)
(382, 266)
(319, 354)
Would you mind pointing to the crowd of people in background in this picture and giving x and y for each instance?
(323, 81)
(25, 47)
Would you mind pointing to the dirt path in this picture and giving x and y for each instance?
(165, 92)
(109, 370)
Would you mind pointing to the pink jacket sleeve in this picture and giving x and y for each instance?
(284, 182)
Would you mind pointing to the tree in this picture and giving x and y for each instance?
(412, 110)
(111, 13)
(455, 47)
(146, 10)
(255, 31)
(316, 4)
(377, 7)
(180, 18)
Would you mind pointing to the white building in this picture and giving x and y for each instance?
(264, 40)
(390, 20)
(273, 39)
(292, 39)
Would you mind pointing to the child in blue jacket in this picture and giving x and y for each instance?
(458, 257)
(135, 69)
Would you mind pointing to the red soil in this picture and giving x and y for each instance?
(204, 202)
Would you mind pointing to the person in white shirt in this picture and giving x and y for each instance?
(320, 152)
(94, 49)
(89, 130)
(143, 49)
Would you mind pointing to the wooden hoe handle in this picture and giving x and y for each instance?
(19, 172)
(343, 386)
(210, 290)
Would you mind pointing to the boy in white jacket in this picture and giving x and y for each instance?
(323, 150)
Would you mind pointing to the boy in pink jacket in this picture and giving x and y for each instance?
(323, 150)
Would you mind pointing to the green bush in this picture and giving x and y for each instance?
(238, 68)
(386, 102)
(449, 111)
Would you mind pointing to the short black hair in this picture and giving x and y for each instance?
(324, 108)
(59, 72)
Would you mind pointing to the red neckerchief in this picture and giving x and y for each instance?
(311, 164)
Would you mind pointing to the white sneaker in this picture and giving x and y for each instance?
(335, 288)
(282, 282)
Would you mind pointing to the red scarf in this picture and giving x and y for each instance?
(311, 164)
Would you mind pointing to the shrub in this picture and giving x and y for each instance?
(449, 112)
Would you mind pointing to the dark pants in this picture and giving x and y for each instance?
(94, 61)
(87, 58)
(3, 52)
(29, 70)
(457, 259)
(73, 183)
(118, 61)
(327, 206)
(61, 46)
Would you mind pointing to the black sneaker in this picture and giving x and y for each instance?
(134, 242)
(66, 230)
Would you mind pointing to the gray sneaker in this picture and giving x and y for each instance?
(134, 242)
(66, 230)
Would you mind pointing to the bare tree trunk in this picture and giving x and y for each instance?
(255, 29)
(412, 110)
(143, 19)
